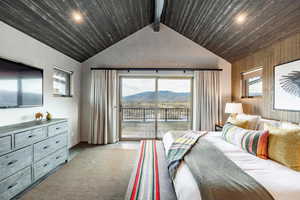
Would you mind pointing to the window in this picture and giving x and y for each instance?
(252, 84)
(61, 83)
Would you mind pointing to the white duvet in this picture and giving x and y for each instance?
(282, 183)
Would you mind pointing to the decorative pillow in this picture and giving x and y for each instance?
(262, 122)
(233, 134)
(252, 120)
(253, 142)
(239, 123)
(284, 146)
(288, 125)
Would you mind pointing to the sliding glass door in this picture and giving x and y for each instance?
(138, 107)
(152, 106)
(174, 105)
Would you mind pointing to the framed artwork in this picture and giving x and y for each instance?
(287, 86)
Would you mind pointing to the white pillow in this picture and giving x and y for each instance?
(252, 120)
(273, 123)
(289, 125)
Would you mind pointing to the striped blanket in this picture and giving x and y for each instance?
(180, 148)
(150, 178)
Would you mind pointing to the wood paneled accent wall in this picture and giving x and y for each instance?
(280, 52)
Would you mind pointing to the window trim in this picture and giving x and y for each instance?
(156, 77)
(256, 72)
(70, 95)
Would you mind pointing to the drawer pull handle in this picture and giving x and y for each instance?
(45, 165)
(11, 186)
(57, 142)
(57, 157)
(12, 162)
(31, 136)
(46, 147)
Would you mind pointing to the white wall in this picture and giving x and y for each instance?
(147, 48)
(17, 46)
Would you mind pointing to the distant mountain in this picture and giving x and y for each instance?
(164, 96)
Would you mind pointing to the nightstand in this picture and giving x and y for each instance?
(219, 126)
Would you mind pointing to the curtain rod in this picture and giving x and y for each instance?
(160, 69)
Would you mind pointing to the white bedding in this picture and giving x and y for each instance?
(282, 183)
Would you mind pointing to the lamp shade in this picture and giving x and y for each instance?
(233, 108)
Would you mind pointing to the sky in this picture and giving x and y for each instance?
(133, 86)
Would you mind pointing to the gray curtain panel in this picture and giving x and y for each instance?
(103, 101)
(207, 100)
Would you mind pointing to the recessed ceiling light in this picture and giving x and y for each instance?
(240, 19)
(77, 17)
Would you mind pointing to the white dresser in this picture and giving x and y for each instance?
(29, 151)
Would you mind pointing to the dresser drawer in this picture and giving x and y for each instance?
(49, 146)
(30, 137)
(60, 156)
(57, 129)
(15, 184)
(5, 144)
(42, 167)
(13, 162)
(45, 165)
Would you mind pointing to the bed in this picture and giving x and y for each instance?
(150, 181)
(281, 182)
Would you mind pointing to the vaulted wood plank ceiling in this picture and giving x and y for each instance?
(105, 22)
(211, 24)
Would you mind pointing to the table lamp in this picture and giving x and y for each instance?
(233, 109)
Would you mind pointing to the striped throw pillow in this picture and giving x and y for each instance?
(253, 142)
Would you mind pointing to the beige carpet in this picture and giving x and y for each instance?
(96, 173)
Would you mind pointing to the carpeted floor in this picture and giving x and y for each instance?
(95, 173)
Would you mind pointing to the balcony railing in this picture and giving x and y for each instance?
(149, 114)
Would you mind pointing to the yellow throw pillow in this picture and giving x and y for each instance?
(284, 146)
(240, 123)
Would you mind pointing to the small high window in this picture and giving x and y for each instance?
(252, 83)
(62, 83)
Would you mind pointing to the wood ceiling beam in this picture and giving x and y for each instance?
(159, 5)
